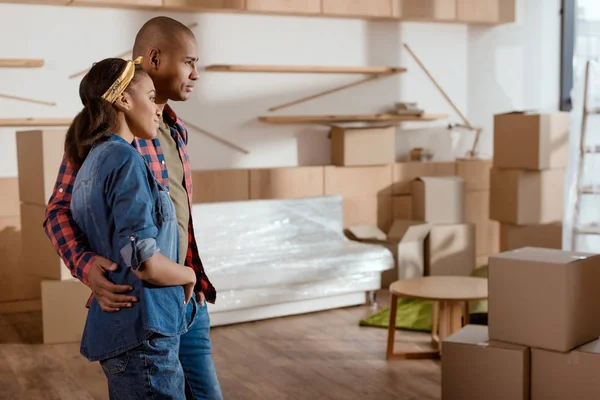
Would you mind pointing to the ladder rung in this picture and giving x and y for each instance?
(588, 230)
(594, 111)
(590, 190)
(592, 150)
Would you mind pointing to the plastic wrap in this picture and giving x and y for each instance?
(257, 297)
(261, 243)
(589, 205)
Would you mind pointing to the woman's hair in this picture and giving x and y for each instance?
(98, 119)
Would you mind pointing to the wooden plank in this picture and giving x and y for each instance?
(305, 69)
(21, 63)
(308, 119)
(28, 122)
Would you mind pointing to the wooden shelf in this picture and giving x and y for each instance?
(317, 119)
(20, 63)
(31, 122)
(305, 69)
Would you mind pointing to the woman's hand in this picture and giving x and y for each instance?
(188, 289)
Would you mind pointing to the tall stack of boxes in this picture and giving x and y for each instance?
(476, 174)
(528, 176)
(542, 340)
(63, 297)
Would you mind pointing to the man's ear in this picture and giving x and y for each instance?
(154, 58)
(123, 103)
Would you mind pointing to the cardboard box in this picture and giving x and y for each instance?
(220, 185)
(522, 197)
(9, 197)
(16, 284)
(44, 261)
(439, 200)
(517, 236)
(39, 155)
(402, 207)
(473, 367)
(566, 376)
(406, 241)
(544, 298)
(405, 173)
(286, 183)
(358, 181)
(368, 210)
(530, 140)
(476, 173)
(63, 310)
(450, 250)
(477, 212)
(357, 146)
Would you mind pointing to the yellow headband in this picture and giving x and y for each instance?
(119, 86)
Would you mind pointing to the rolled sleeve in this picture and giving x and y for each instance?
(137, 251)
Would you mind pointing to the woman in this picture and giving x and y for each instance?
(127, 215)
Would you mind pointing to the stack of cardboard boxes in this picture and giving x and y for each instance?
(63, 297)
(542, 341)
(528, 176)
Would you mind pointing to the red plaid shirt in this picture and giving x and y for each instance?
(70, 242)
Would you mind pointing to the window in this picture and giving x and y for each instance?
(580, 42)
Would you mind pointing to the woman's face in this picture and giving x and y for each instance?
(143, 114)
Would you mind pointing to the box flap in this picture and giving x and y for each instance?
(538, 254)
(408, 230)
(365, 232)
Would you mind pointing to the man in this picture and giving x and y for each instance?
(170, 53)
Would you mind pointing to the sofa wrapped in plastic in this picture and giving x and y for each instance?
(262, 253)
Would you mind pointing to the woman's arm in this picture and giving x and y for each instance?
(161, 271)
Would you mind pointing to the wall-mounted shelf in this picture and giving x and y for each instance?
(21, 63)
(320, 119)
(305, 69)
(29, 122)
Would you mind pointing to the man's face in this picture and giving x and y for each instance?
(176, 73)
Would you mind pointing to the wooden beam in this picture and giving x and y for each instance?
(304, 69)
(27, 99)
(28, 122)
(318, 119)
(21, 63)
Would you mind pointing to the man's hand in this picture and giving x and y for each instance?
(107, 293)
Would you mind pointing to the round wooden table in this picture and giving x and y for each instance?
(451, 296)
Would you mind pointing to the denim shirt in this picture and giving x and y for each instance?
(127, 217)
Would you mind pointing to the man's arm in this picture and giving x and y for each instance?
(71, 244)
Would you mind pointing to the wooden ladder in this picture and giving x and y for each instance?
(584, 190)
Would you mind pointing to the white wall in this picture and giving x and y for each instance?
(228, 103)
(515, 66)
(484, 70)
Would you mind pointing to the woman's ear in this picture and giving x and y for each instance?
(123, 103)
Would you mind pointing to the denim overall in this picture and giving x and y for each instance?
(128, 216)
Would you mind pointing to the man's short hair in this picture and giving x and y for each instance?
(158, 32)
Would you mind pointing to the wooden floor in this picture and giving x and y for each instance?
(323, 355)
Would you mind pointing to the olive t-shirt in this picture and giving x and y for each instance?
(176, 186)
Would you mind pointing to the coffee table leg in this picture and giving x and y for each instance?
(467, 316)
(392, 336)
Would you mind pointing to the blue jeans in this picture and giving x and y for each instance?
(195, 355)
(149, 371)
